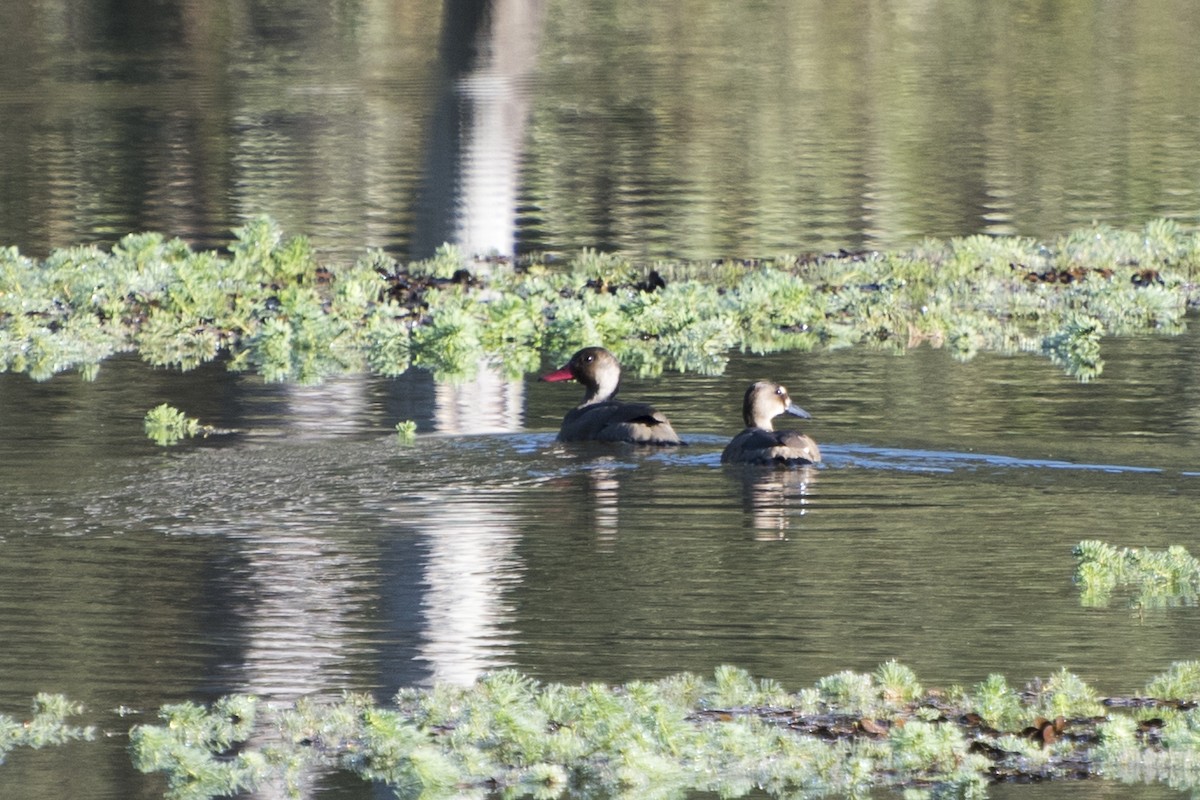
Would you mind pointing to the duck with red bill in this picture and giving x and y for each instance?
(601, 417)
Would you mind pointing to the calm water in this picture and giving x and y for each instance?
(663, 129)
(308, 552)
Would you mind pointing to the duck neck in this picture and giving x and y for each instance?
(602, 390)
(755, 419)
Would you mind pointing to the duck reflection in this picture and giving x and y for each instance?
(590, 495)
(772, 498)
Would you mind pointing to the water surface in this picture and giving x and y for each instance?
(308, 551)
(674, 130)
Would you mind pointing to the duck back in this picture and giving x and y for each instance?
(616, 421)
(759, 446)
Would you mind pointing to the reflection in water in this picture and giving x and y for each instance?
(606, 515)
(302, 590)
(772, 497)
(592, 480)
(299, 564)
(298, 619)
(294, 602)
(470, 189)
(488, 403)
(854, 130)
(469, 565)
(336, 406)
(497, 98)
(469, 193)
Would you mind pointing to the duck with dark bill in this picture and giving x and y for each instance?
(760, 443)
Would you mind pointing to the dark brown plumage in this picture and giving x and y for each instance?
(601, 417)
(760, 443)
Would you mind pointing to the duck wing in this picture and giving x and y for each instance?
(759, 446)
(614, 421)
(795, 447)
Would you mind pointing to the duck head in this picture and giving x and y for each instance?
(766, 400)
(596, 368)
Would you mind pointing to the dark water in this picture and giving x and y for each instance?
(668, 129)
(310, 552)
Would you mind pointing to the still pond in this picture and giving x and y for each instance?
(309, 551)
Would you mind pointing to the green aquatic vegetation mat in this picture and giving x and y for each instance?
(47, 725)
(1154, 579)
(848, 735)
(270, 304)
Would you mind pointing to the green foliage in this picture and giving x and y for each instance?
(734, 687)
(1182, 732)
(1158, 578)
(523, 738)
(270, 306)
(920, 748)
(166, 425)
(1180, 682)
(406, 431)
(516, 737)
(1066, 695)
(450, 344)
(1099, 569)
(1120, 745)
(998, 705)
(191, 748)
(897, 682)
(47, 725)
(727, 735)
(850, 692)
(387, 342)
(445, 262)
(297, 340)
(512, 333)
(1076, 347)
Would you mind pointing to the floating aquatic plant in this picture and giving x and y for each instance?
(998, 705)
(1180, 682)
(406, 431)
(848, 735)
(270, 305)
(1157, 578)
(47, 726)
(191, 745)
(166, 425)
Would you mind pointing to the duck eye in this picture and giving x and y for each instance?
(780, 391)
